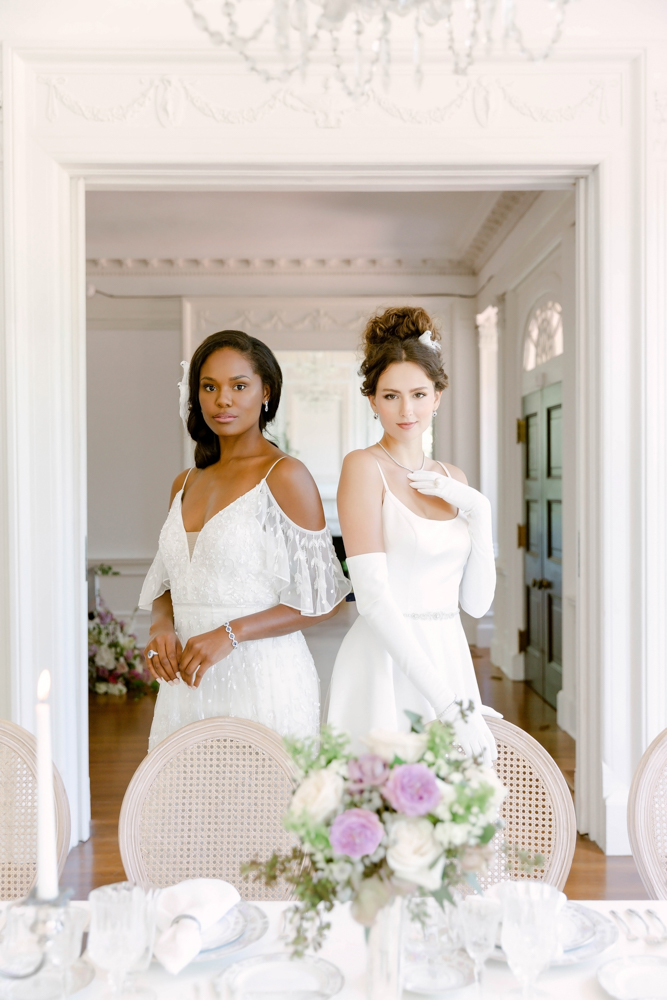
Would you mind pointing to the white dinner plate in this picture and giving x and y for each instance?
(279, 977)
(636, 977)
(595, 932)
(453, 973)
(246, 925)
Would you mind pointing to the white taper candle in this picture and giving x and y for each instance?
(47, 859)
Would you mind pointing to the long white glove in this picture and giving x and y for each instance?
(478, 583)
(376, 604)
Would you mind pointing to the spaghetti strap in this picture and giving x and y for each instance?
(186, 479)
(274, 465)
(382, 474)
(447, 472)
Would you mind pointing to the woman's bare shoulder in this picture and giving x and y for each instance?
(454, 472)
(296, 492)
(178, 484)
(363, 462)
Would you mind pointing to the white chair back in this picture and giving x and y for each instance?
(647, 818)
(538, 811)
(209, 798)
(18, 812)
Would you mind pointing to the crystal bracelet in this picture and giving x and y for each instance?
(232, 637)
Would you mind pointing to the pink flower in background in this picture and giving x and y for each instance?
(412, 789)
(367, 772)
(356, 832)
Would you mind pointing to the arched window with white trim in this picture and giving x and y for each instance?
(544, 335)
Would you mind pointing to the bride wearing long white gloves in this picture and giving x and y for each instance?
(419, 545)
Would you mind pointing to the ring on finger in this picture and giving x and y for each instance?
(151, 653)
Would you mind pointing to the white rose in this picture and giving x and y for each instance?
(318, 795)
(117, 689)
(413, 850)
(389, 744)
(105, 658)
(101, 688)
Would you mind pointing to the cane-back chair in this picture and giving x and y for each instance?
(18, 812)
(209, 798)
(647, 818)
(537, 811)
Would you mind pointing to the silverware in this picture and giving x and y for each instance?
(648, 936)
(629, 933)
(656, 919)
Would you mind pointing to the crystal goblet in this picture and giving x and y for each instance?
(119, 933)
(479, 917)
(530, 933)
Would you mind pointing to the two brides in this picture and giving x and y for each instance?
(245, 561)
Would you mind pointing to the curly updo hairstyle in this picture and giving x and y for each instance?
(262, 361)
(392, 337)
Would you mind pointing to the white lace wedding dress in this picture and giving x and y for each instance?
(247, 558)
(426, 561)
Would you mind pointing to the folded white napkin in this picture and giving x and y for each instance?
(184, 911)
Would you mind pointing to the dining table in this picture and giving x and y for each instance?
(345, 947)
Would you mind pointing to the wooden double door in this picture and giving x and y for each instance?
(543, 527)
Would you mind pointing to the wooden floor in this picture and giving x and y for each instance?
(119, 737)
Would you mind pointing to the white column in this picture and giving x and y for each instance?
(487, 340)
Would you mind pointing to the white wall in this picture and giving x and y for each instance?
(134, 437)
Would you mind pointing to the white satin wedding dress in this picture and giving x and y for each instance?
(426, 562)
(246, 558)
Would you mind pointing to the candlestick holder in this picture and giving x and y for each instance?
(40, 949)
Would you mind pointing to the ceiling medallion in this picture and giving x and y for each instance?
(280, 38)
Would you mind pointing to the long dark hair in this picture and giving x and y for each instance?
(263, 362)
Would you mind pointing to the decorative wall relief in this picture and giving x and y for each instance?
(480, 99)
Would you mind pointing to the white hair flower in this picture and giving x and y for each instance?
(428, 340)
(184, 393)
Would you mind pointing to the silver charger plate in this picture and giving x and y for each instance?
(278, 976)
(595, 931)
(635, 977)
(249, 925)
(452, 973)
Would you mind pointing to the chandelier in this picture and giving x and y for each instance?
(280, 38)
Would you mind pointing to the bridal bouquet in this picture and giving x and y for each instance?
(412, 817)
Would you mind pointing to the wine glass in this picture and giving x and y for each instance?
(65, 946)
(479, 917)
(530, 933)
(119, 932)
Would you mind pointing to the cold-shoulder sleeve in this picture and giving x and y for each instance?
(304, 563)
(155, 584)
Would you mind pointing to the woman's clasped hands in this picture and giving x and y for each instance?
(173, 663)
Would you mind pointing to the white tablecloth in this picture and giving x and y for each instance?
(345, 947)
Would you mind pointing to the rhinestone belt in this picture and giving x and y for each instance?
(430, 616)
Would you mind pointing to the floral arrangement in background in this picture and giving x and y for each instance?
(412, 817)
(115, 661)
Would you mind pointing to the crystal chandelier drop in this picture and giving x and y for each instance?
(280, 38)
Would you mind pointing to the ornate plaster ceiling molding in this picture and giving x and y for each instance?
(135, 267)
(503, 217)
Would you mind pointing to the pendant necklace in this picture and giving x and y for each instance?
(400, 463)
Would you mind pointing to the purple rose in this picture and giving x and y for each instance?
(129, 655)
(412, 789)
(368, 771)
(356, 832)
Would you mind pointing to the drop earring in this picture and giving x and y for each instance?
(266, 406)
(435, 413)
(376, 416)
